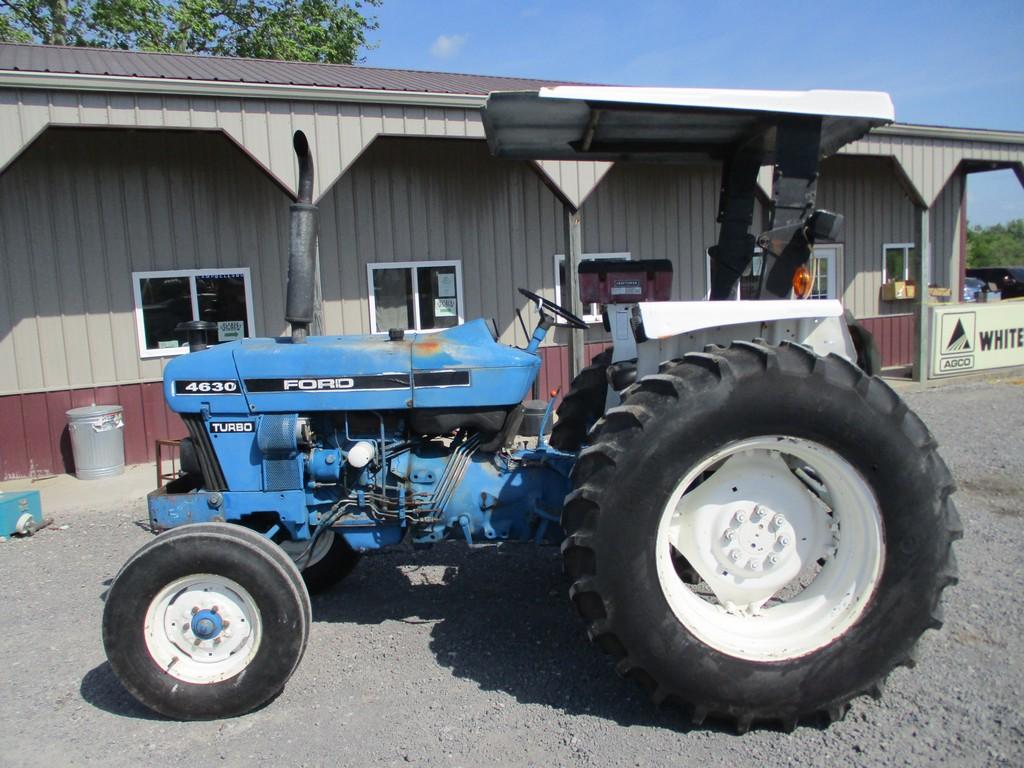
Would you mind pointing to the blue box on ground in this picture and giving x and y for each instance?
(19, 512)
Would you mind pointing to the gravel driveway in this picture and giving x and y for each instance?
(453, 657)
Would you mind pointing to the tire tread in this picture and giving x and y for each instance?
(700, 374)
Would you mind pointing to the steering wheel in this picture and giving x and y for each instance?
(555, 309)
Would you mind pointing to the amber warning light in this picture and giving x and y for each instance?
(802, 282)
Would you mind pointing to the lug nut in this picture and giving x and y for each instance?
(734, 555)
(758, 513)
(729, 534)
(779, 521)
(755, 565)
(741, 517)
(772, 559)
(783, 541)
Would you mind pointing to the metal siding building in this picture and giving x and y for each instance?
(114, 163)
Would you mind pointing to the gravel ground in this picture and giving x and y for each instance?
(452, 657)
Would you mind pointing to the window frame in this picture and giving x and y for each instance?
(191, 274)
(886, 277)
(589, 318)
(832, 284)
(759, 256)
(414, 266)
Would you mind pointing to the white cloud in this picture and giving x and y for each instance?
(447, 46)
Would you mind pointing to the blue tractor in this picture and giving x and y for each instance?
(755, 526)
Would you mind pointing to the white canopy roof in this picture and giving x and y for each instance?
(614, 123)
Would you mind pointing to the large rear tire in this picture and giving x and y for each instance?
(795, 614)
(206, 621)
(582, 406)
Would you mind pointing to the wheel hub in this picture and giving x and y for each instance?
(202, 628)
(749, 529)
(756, 540)
(206, 625)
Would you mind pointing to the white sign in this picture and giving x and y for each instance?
(230, 330)
(969, 338)
(445, 284)
(444, 308)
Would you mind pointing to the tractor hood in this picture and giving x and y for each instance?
(458, 367)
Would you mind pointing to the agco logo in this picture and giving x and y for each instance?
(957, 352)
(958, 341)
(330, 385)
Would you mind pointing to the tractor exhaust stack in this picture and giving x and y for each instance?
(302, 246)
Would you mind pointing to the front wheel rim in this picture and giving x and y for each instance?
(203, 629)
(787, 540)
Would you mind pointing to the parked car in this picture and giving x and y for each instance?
(973, 288)
(1008, 280)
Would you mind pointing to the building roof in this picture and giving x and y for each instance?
(101, 69)
(65, 60)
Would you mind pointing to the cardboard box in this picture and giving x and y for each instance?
(897, 290)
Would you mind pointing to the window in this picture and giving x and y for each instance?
(824, 265)
(749, 281)
(415, 295)
(591, 312)
(896, 260)
(164, 299)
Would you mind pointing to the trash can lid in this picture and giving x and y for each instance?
(90, 411)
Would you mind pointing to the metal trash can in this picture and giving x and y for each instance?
(97, 440)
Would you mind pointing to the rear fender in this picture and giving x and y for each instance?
(674, 328)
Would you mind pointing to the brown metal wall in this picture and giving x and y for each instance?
(439, 199)
(658, 212)
(81, 210)
(878, 210)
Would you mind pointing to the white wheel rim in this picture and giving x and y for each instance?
(755, 534)
(295, 550)
(203, 629)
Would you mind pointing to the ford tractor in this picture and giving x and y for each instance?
(753, 525)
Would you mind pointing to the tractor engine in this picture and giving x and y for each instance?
(373, 437)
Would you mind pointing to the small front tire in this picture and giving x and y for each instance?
(206, 621)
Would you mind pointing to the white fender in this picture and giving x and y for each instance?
(671, 329)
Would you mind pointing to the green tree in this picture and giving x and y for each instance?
(296, 30)
(1001, 245)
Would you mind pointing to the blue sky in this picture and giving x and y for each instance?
(945, 63)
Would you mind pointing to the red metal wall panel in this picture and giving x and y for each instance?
(57, 405)
(135, 436)
(155, 415)
(36, 420)
(895, 337)
(554, 371)
(35, 435)
(14, 460)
